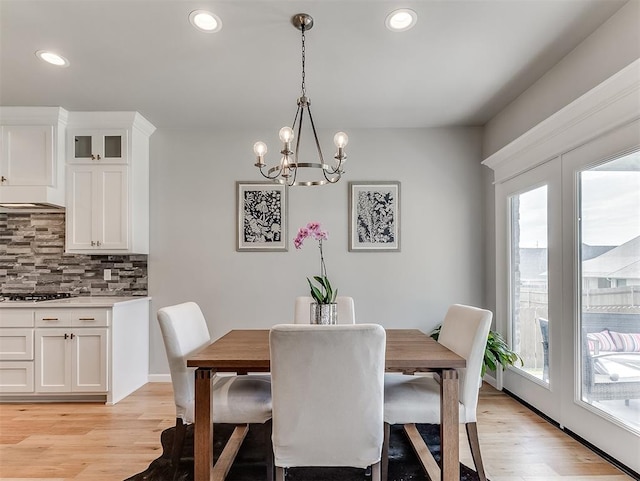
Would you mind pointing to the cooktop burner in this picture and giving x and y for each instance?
(35, 297)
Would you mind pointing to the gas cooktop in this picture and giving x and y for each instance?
(35, 297)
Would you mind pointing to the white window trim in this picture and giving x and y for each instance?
(613, 103)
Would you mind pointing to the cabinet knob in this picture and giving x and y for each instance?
(72, 335)
(66, 336)
(95, 157)
(93, 243)
(3, 179)
(98, 243)
(98, 156)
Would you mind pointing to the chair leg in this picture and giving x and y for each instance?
(474, 444)
(385, 453)
(178, 442)
(268, 449)
(375, 472)
(280, 473)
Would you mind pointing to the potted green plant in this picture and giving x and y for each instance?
(496, 353)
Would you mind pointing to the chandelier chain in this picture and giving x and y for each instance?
(304, 89)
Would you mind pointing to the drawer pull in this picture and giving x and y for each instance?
(49, 318)
(87, 318)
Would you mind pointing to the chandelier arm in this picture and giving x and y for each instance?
(315, 135)
(337, 169)
(277, 170)
(300, 119)
(293, 177)
(331, 180)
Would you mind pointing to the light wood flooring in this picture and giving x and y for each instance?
(86, 441)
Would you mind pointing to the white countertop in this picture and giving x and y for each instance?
(97, 301)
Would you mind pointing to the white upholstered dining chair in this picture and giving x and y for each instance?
(416, 399)
(240, 400)
(327, 388)
(346, 310)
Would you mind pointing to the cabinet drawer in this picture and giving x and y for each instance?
(52, 318)
(16, 344)
(16, 317)
(89, 317)
(16, 376)
(81, 317)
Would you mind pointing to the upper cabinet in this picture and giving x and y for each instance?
(32, 152)
(102, 146)
(108, 183)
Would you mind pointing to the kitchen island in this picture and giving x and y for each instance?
(74, 349)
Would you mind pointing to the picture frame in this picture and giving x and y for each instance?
(261, 223)
(374, 216)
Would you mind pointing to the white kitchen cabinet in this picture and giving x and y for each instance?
(71, 360)
(97, 146)
(74, 349)
(16, 351)
(108, 183)
(32, 155)
(98, 208)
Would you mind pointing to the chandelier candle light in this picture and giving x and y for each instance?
(324, 310)
(287, 170)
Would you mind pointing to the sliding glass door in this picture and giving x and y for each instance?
(568, 289)
(601, 252)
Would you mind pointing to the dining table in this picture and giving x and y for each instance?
(408, 351)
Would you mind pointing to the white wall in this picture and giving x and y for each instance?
(613, 46)
(193, 222)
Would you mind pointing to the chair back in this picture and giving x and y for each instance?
(346, 310)
(327, 385)
(184, 330)
(465, 330)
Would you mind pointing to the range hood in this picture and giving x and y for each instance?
(26, 207)
(32, 160)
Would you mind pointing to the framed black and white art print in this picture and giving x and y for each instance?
(262, 216)
(374, 216)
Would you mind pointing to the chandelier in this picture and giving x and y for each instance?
(287, 170)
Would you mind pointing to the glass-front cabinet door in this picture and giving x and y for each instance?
(103, 146)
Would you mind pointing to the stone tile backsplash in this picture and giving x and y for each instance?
(32, 259)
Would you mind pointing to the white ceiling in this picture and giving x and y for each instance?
(462, 63)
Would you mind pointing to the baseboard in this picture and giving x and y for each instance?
(491, 381)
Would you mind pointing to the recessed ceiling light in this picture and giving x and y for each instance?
(205, 21)
(52, 58)
(401, 20)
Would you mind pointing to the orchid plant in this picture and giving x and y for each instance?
(323, 293)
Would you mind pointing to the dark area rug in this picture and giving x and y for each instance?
(249, 465)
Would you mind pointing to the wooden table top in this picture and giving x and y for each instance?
(248, 350)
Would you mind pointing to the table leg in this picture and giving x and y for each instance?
(203, 428)
(449, 439)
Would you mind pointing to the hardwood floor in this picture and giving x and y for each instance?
(85, 441)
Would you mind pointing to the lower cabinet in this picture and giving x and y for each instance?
(73, 353)
(71, 360)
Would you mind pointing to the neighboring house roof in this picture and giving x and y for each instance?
(622, 262)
